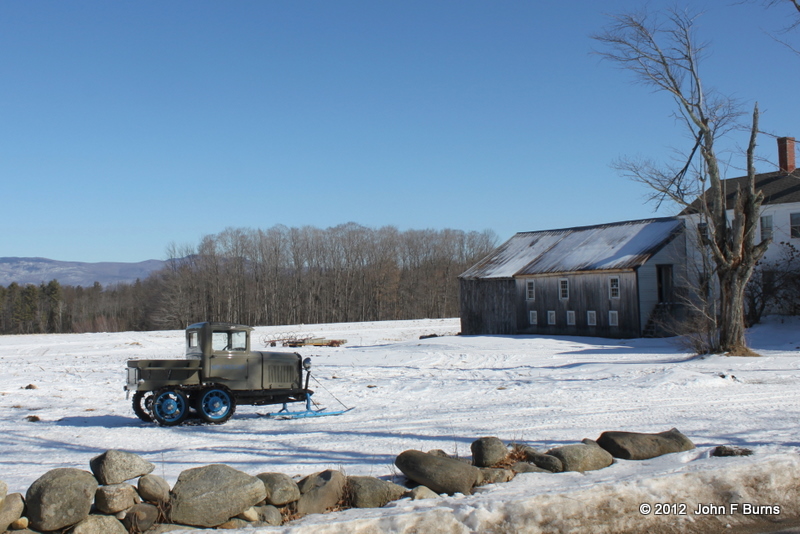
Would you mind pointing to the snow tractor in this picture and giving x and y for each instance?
(219, 372)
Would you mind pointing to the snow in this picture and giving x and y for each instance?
(439, 393)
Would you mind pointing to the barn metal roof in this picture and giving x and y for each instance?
(614, 246)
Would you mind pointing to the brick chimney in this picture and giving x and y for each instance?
(786, 161)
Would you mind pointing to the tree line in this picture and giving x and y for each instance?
(280, 275)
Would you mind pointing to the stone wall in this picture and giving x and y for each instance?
(119, 494)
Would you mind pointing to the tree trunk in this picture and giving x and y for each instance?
(731, 333)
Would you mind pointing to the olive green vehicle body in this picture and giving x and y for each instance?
(219, 355)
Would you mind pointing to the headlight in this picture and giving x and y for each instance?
(307, 364)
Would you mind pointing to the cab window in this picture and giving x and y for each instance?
(193, 345)
(229, 341)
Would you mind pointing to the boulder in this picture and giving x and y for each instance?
(99, 524)
(371, 492)
(730, 450)
(20, 524)
(210, 495)
(584, 456)
(639, 446)
(281, 489)
(60, 498)
(115, 498)
(250, 515)
(488, 452)
(438, 452)
(3, 492)
(113, 467)
(320, 492)
(442, 475)
(493, 475)
(525, 467)
(140, 517)
(422, 492)
(269, 515)
(11, 510)
(153, 489)
(540, 459)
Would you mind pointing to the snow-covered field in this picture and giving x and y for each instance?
(441, 393)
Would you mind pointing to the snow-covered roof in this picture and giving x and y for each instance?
(622, 245)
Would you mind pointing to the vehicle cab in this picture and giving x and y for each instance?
(207, 339)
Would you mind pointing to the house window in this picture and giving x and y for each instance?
(794, 220)
(613, 318)
(591, 318)
(533, 317)
(613, 287)
(530, 289)
(551, 317)
(563, 289)
(571, 317)
(766, 227)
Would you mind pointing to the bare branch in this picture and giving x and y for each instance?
(662, 53)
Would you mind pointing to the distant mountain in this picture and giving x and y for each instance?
(73, 273)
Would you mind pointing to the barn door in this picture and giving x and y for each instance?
(664, 276)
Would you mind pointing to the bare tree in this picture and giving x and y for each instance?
(793, 22)
(662, 53)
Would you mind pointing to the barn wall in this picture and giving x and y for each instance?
(487, 306)
(673, 254)
(587, 291)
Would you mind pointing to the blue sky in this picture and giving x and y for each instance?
(127, 126)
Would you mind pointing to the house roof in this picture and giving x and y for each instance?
(614, 246)
(778, 188)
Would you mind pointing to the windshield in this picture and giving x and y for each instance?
(229, 341)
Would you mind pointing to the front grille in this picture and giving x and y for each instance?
(281, 376)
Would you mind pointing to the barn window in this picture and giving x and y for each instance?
(766, 227)
(613, 318)
(530, 289)
(551, 317)
(613, 287)
(533, 317)
(794, 220)
(591, 318)
(563, 289)
(571, 317)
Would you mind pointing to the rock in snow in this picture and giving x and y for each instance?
(371, 492)
(208, 496)
(11, 510)
(639, 446)
(113, 467)
(281, 489)
(488, 452)
(585, 456)
(60, 498)
(320, 492)
(442, 475)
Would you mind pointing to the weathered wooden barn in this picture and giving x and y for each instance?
(610, 280)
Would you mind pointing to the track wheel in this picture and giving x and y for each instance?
(170, 406)
(215, 404)
(143, 405)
